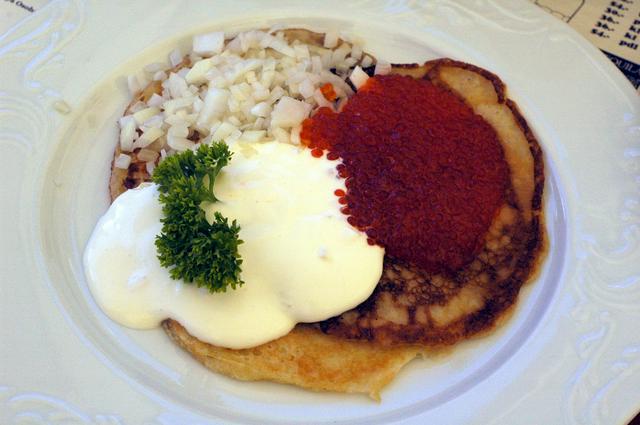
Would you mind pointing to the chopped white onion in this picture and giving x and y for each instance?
(208, 44)
(267, 78)
(233, 137)
(149, 136)
(133, 84)
(150, 166)
(269, 64)
(276, 94)
(348, 63)
(331, 39)
(174, 119)
(175, 57)
(154, 121)
(179, 144)
(219, 82)
(122, 161)
(250, 77)
(358, 77)
(340, 54)
(259, 92)
(224, 130)
(125, 119)
(295, 134)
(301, 51)
(235, 121)
(237, 93)
(215, 105)
(247, 41)
(278, 44)
(178, 130)
(339, 85)
(174, 105)
(197, 104)
(233, 105)
(260, 124)
(326, 56)
(356, 51)
(138, 106)
(262, 109)
(182, 72)
(177, 85)
(282, 135)
(247, 91)
(253, 135)
(155, 100)
(234, 46)
(321, 100)
(306, 88)
(197, 73)
(367, 61)
(382, 67)
(316, 64)
(127, 133)
(145, 114)
(289, 112)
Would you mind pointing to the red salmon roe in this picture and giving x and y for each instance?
(425, 175)
(328, 92)
(332, 156)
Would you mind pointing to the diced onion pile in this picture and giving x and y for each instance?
(253, 87)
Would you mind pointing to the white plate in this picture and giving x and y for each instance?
(571, 353)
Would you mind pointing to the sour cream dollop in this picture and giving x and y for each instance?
(302, 261)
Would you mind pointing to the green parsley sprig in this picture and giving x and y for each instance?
(192, 248)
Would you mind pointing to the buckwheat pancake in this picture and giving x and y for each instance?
(411, 312)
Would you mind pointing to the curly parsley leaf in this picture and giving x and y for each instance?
(192, 248)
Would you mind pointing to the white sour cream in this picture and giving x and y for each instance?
(302, 261)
